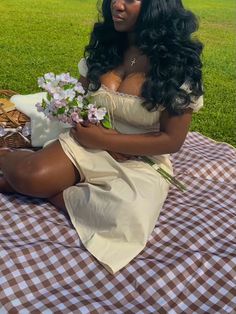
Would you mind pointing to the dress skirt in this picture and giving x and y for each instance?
(116, 205)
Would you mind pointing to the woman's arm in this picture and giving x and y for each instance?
(169, 140)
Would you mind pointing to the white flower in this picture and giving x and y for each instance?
(52, 87)
(73, 80)
(91, 107)
(100, 114)
(79, 88)
(96, 114)
(41, 82)
(70, 94)
(63, 77)
(49, 76)
(63, 118)
(59, 95)
(79, 101)
(59, 104)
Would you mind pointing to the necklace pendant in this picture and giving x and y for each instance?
(133, 61)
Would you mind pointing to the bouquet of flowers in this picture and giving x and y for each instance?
(67, 102)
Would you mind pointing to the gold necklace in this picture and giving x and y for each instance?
(132, 61)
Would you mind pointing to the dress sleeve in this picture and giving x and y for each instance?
(196, 101)
(82, 66)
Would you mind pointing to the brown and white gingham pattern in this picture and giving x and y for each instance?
(188, 265)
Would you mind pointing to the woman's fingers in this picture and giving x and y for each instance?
(119, 157)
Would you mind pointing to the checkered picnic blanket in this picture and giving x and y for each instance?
(188, 265)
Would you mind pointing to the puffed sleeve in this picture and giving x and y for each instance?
(82, 66)
(196, 101)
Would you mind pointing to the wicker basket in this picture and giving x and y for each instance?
(13, 119)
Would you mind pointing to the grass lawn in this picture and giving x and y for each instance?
(39, 36)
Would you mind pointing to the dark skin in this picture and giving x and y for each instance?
(37, 174)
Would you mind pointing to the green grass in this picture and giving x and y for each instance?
(217, 32)
(38, 36)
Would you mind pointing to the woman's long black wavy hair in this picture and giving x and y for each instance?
(164, 33)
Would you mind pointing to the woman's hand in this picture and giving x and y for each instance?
(93, 136)
(89, 136)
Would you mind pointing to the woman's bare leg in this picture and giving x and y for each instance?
(44, 173)
(58, 201)
(5, 187)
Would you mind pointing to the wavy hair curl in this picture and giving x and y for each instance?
(164, 34)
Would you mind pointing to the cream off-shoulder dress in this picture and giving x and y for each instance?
(116, 206)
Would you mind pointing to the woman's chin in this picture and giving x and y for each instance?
(121, 27)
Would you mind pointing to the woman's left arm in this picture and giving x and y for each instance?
(173, 131)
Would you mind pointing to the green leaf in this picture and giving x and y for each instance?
(73, 103)
(48, 97)
(84, 114)
(61, 110)
(106, 122)
(86, 101)
(68, 86)
(44, 105)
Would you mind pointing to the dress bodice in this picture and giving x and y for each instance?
(126, 111)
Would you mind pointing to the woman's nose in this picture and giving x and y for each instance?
(118, 4)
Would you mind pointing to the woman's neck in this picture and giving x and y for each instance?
(131, 38)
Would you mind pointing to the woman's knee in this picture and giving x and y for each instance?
(42, 174)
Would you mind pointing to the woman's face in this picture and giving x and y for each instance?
(125, 14)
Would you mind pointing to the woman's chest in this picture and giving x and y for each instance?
(125, 79)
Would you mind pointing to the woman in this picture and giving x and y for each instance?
(142, 64)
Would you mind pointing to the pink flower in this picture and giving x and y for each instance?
(75, 117)
(39, 107)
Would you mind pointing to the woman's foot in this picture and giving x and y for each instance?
(5, 186)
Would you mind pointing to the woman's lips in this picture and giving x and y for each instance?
(117, 18)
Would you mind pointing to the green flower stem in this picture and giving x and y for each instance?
(164, 174)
